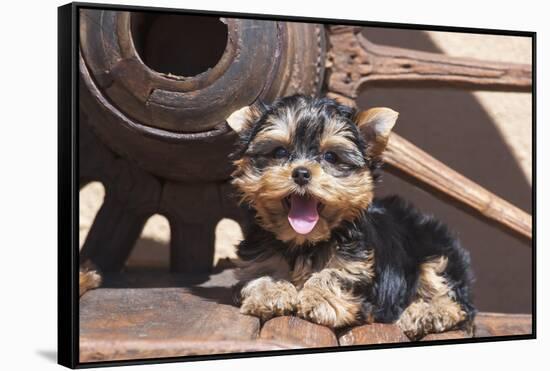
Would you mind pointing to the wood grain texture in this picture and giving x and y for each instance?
(500, 324)
(134, 319)
(97, 350)
(154, 315)
(448, 335)
(132, 196)
(355, 61)
(418, 165)
(160, 120)
(299, 332)
(374, 333)
(159, 313)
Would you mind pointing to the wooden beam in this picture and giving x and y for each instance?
(354, 60)
(414, 162)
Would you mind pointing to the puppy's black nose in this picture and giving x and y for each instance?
(301, 175)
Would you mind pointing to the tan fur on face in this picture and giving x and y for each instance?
(343, 198)
(322, 300)
(335, 135)
(266, 298)
(279, 128)
(434, 309)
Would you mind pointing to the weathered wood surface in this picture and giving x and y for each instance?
(176, 314)
(164, 121)
(97, 350)
(133, 195)
(426, 170)
(375, 333)
(449, 335)
(499, 324)
(133, 319)
(354, 61)
(485, 325)
(143, 315)
(301, 333)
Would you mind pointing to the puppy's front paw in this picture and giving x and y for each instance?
(266, 298)
(326, 308)
(313, 307)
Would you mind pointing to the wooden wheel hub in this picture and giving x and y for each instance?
(159, 88)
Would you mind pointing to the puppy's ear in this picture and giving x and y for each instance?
(243, 118)
(375, 126)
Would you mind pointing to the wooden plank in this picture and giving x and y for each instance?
(113, 349)
(499, 324)
(299, 332)
(486, 324)
(374, 333)
(148, 314)
(132, 319)
(448, 335)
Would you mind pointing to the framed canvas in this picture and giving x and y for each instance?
(240, 185)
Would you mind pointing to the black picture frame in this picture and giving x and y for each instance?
(68, 170)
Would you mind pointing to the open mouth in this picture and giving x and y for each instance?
(303, 212)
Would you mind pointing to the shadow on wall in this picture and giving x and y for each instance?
(453, 127)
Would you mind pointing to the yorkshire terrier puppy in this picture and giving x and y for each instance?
(322, 247)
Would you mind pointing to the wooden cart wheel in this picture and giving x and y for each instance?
(164, 122)
(156, 106)
(162, 116)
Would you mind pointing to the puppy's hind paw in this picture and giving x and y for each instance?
(423, 318)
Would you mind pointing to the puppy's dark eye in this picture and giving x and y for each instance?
(330, 157)
(280, 152)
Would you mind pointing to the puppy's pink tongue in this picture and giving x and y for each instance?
(303, 213)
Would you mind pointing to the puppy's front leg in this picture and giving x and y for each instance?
(266, 297)
(325, 301)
